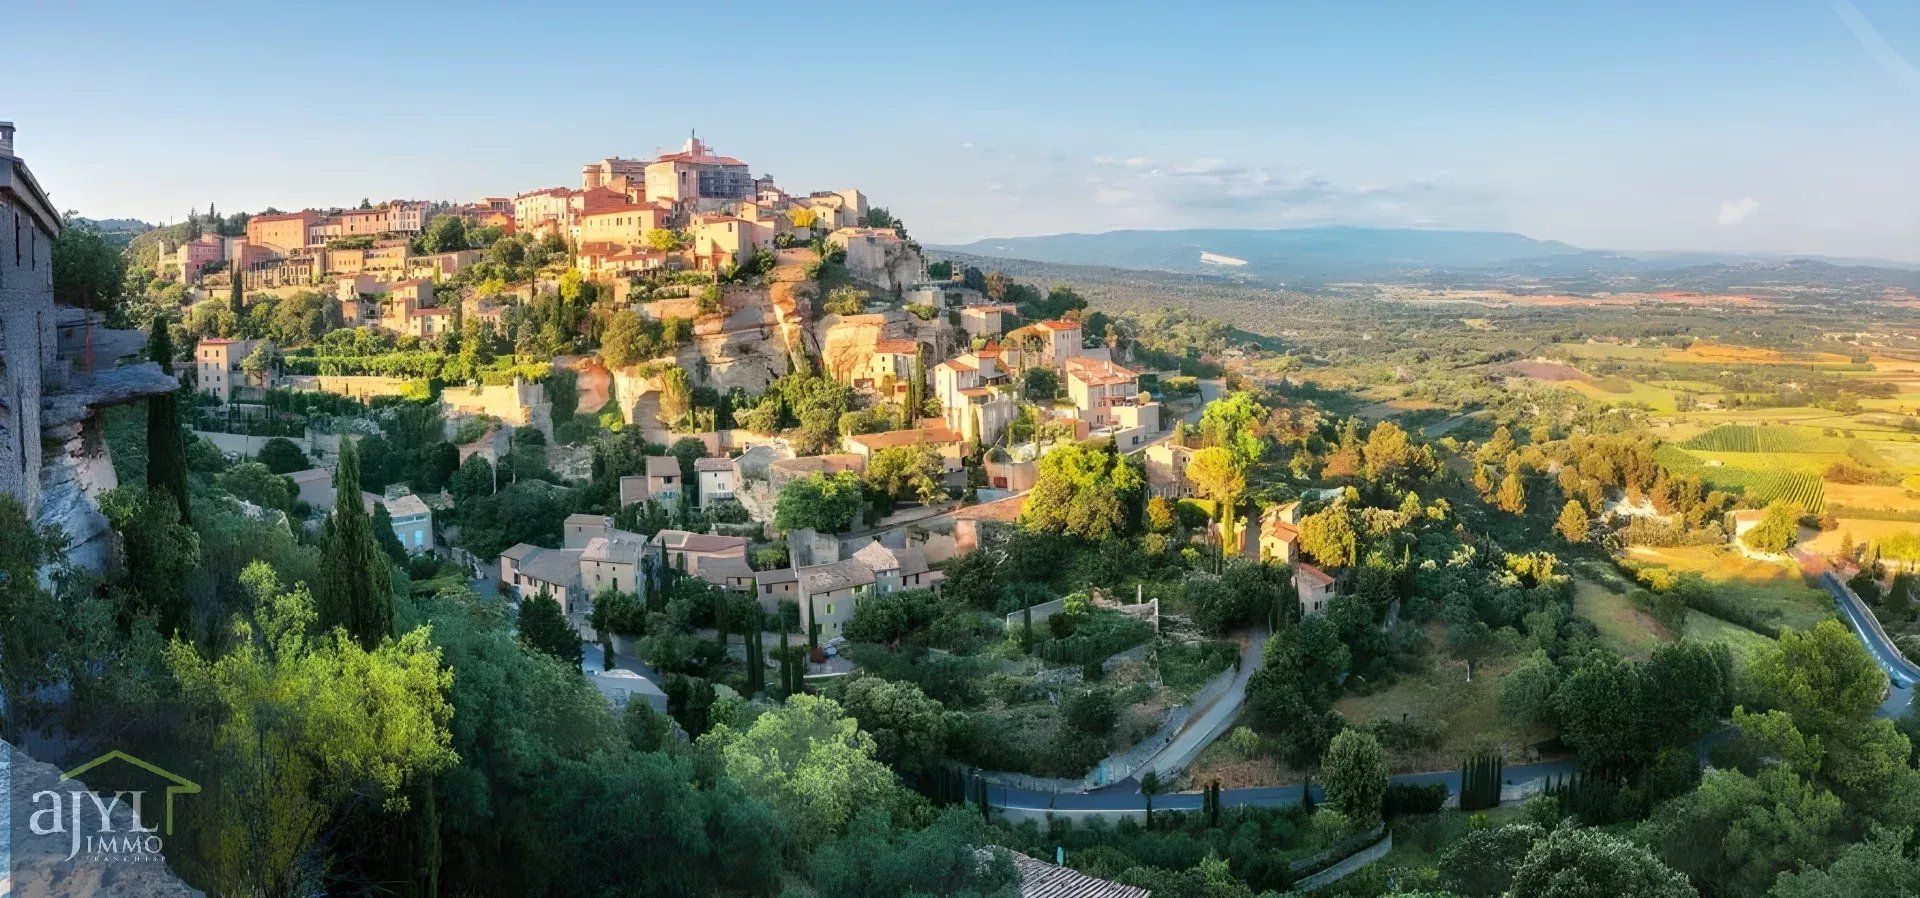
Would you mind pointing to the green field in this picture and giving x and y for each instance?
(1758, 484)
(1753, 438)
(1635, 634)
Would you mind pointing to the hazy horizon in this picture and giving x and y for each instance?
(1770, 129)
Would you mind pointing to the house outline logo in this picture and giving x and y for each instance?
(181, 785)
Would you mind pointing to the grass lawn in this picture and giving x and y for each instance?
(1467, 713)
(1709, 629)
(1630, 631)
(1635, 634)
(1765, 585)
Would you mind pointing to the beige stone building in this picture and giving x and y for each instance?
(976, 396)
(932, 432)
(827, 593)
(1097, 387)
(217, 365)
(696, 174)
(285, 232)
(625, 224)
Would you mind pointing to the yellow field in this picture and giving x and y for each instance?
(1702, 351)
(1764, 585)
(1863, 495)
(1639, 393)
(1863, 530)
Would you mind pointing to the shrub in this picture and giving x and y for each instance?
(1092, 711)
(1403, 798)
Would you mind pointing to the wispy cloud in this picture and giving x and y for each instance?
(1877, 46)
(1733, 212)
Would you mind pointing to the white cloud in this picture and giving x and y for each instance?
(1733, 212)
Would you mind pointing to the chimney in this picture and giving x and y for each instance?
(6, 138)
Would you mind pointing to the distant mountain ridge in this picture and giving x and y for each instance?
(1307, 257)
(1311, 253)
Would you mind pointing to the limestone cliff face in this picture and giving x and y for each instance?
(848, 343)
(75, 466)
(74, 470)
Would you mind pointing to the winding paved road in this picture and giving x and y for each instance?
(1124, 797)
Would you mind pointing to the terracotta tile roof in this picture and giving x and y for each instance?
(846, 574)
(1098, 372)
(1039, 879)
(663, 466)
(560, 567)
(1311, 575)
(892, 438)
(698, 159)
(684, 541)
(1059, 324)
(713, 464)
(1005, 510)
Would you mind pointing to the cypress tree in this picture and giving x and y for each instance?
(166, 442)
(916, 388)
(755, 670)
(383, 532)
(356, 593)
(720, 623)
(786, 665)
(235, 301)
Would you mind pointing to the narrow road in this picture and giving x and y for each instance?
(1202, 730)
(1125, 798)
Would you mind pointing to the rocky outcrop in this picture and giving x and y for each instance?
(75, 466)
(75, 469)
(112, 386)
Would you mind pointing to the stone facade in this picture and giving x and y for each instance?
(28, 226)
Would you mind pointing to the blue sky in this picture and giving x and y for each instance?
(1748, 126)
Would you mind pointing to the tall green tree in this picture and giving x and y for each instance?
(544, 628)
(87, 270)
(1355, 772)
(300, 726)
(166, 441)
(357, 593)
(1573, 862)
(1092, 492)
(383, 533)
(824, 502)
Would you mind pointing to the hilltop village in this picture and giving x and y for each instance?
(733, 522)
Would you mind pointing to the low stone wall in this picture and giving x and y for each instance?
(1346, 866)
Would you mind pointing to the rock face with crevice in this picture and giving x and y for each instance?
(74, 466)
(40, 867)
